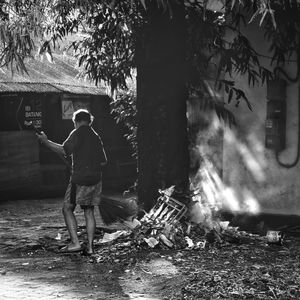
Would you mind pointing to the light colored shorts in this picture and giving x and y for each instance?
(83, 195)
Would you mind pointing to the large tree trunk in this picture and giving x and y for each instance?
(163, 158)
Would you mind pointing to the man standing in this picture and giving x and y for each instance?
(85, 186)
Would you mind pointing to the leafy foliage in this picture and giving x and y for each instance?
(280, 20)
(123, 109)
(109, 31)
(107, 51)
(18, 25)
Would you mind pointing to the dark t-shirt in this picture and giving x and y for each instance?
(86, 148)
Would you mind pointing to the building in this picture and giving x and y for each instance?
(47, 97)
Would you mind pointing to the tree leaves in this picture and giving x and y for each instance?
(106, 52)
(123, 108)
(23, 23)
(111, 30)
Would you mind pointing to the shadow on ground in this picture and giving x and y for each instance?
(31, 233)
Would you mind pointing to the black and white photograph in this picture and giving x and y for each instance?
(149, 149)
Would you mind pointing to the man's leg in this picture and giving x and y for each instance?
(71, 223)
(90, 227)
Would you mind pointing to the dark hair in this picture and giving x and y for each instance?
(82, 115)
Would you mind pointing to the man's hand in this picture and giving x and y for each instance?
(58, 148)
(42, 137)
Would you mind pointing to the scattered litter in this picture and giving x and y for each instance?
(165, 240)
(200, 245)
(152, 242)
(274, 237)
(224, 225)
(58, 237)
(190, 243)
(132, 224)
(108, 237)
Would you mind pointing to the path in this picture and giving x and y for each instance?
(29, 270)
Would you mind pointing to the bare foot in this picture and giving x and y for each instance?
(72, 248)
(90, 250)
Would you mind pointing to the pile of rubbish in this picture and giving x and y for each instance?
(172, 224)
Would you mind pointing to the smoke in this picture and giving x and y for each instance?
(213, 195)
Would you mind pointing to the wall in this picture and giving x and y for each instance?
(19, 161)
(253, 180)
(28, 169)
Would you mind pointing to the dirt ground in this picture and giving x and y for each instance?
(31, 232)
(31, 268)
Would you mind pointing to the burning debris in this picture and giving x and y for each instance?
(182, 223)
(162, 223)
(176, 222)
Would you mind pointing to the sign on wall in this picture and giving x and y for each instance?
(67, 109)
(69, 106)
(33, 112)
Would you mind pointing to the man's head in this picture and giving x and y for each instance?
(82, 117)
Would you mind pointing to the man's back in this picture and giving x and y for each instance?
(88, 154)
